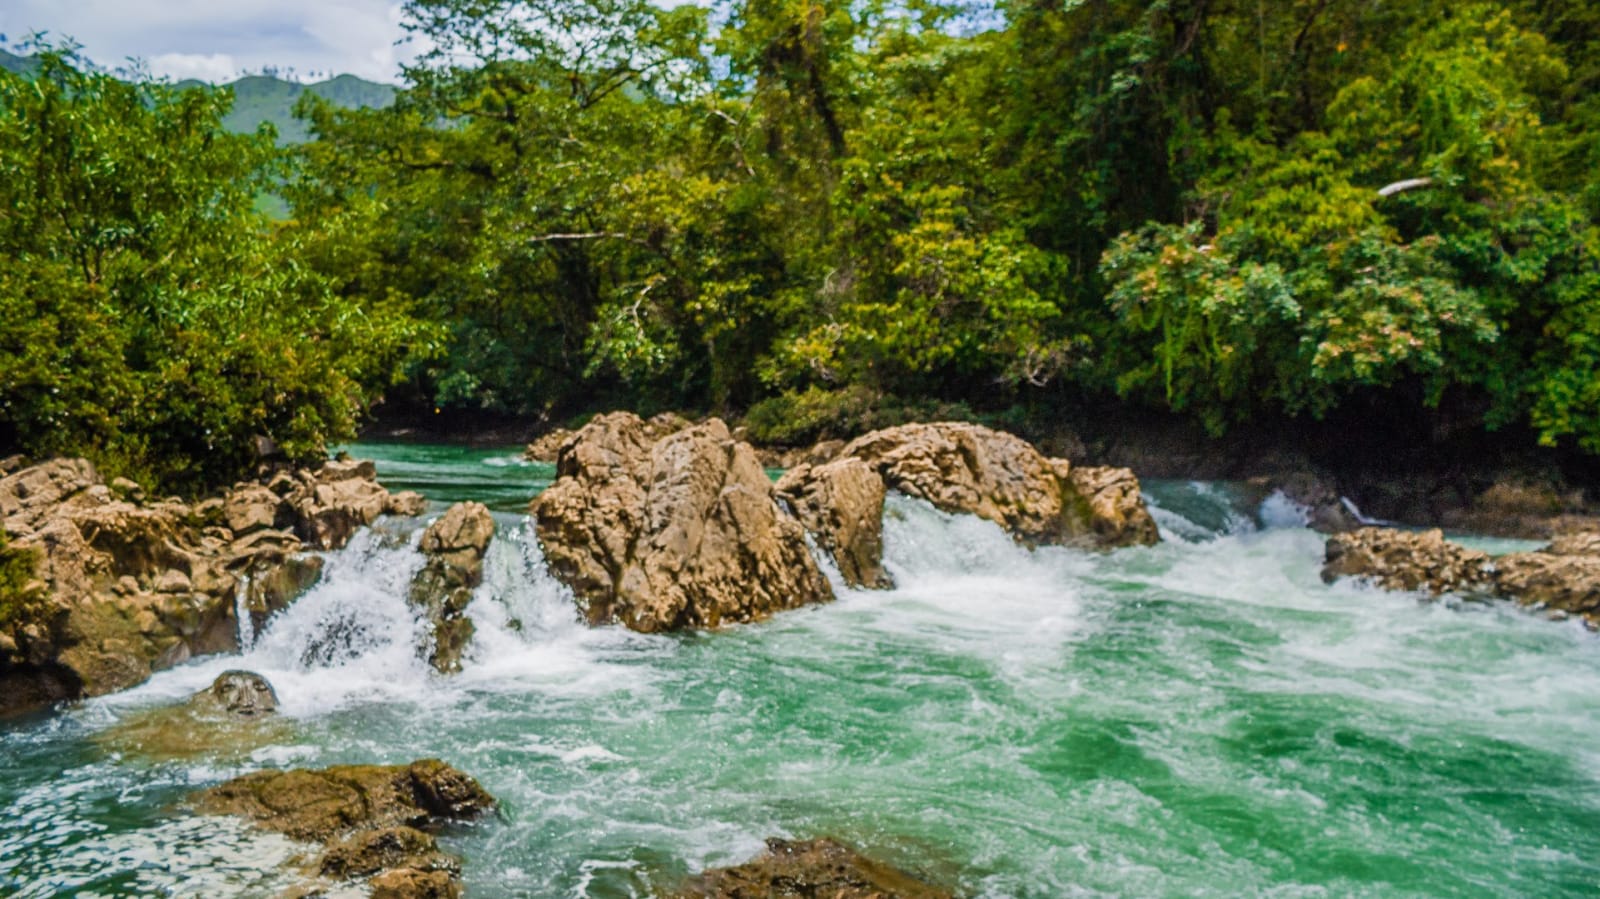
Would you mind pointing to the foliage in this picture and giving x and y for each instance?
(148, 317)
(19, 595)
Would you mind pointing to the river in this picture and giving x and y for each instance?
(1200, 718)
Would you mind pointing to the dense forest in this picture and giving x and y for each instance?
(822, 216)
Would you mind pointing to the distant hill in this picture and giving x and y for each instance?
(263, 98)
(13, 63)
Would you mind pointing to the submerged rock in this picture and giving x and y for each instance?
(1563, 578)
(811, 869)
(454, 546)
(227, 720)
(372, 821)
(129, 587)
(685, 531)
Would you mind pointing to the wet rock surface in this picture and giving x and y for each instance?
(810, 869)
(841, 504)
(1562, 578)
(1406, 560)
(968, 468)
(454, 545)
(373, 822)
(684, 531)
(130, 587)
(229, 719)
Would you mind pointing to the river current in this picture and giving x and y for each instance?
(1200, 718)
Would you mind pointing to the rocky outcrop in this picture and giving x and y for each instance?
(374, 822)
(841, 504)
(961, 468)
(684, 531)
(128, 587)
(967, 468)
(1406, 560)
(548, 447)
(819, 869)
(1562, 578)
(454, 546)
(227, 721)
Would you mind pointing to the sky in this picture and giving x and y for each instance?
(218, 40)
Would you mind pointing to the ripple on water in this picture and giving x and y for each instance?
(1203, 717)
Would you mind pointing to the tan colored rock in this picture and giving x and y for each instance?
(455, 546)
(681, 532)
(823, 869)
(250, 508)
(1115, 509)
(1563, 577)
(967, 468)
(373, 821)
(406, 503)
(548, 446)
(1406, 560)
(130, 588)
(841, 504)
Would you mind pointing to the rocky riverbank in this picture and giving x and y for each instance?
(126, 585)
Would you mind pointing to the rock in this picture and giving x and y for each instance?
(1562, 577)
(414, 883)
(407, 503)
(29, 494)
(841, 503)
(681, 532)
(318, 806)
(455, 546)
(125, 489)
(967, 468)
(250, 508)
(372, 820)
(245, 694)
(811, 869)
(548, 446)
(1406, 560)
(129, 588)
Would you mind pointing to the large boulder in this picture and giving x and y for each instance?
(125, 587)
(454, 545)
(374, 822)
(823, 869)
(841, 504)
(967, 468)
(681, 532)
(1406, 560)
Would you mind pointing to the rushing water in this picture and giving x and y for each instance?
(1203, 717)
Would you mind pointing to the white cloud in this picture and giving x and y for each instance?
(216, 39)
(214, 67)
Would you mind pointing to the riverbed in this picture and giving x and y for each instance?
(1200, 718)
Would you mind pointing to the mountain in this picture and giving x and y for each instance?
(263, 98)
(13, 63)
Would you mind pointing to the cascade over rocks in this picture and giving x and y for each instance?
(961, 468)
(126, 587)
(1562, 578)
(685, 531)
(454, 546)
(841, 503)
(809, 869)
(373, 821)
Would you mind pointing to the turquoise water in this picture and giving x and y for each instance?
(1201, 718)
